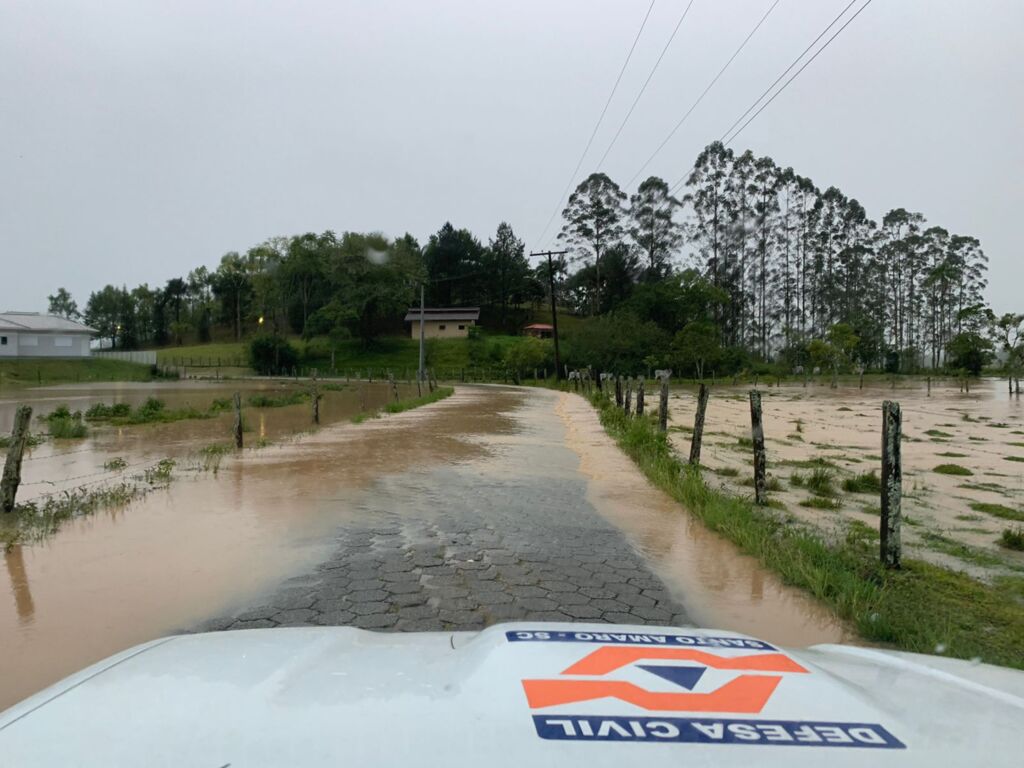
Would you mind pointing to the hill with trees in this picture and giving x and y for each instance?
(748, 263)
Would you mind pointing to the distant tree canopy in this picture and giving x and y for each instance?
(747, 260)
(63, 305)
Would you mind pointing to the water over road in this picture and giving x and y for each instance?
(495, 504)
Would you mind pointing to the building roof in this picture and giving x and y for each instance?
(37, 322)
(539, 327)
(443, 313)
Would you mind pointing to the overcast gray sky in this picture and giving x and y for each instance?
(141, 139)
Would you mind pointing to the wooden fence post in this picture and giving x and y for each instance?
(12, 466)
(698, 424)
(757, 433)
(929, 386)
(238, 420)
(314, 395)
(663, 402)
(627, 403)
(394, 387)
(892, 485)
(618, 391)
(639, 396)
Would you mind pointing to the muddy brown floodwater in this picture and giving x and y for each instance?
(719, 586)
(214, 541)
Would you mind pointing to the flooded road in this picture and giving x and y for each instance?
(493, 504)
(719, 586)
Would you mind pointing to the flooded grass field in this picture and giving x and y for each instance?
(963, 476)
(210, 539)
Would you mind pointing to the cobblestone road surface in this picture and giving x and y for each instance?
(505, 535)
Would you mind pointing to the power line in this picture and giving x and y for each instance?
(786, 71)
(797, 73)
(597, 125)
(703, 94)
(644, 86)
(732, 138)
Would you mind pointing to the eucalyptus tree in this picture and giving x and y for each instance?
(709, 199)
(653, 228)
(594, 223)
(765, 185)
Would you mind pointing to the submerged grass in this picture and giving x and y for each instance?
(919, 608)
(405, 405)
(865, 482)
(997, 510)
(31, 441)
(62, 424)
(952, 469)
(295, 397)
(34, 521)
(1013, 539)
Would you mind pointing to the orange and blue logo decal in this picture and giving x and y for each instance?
(744, 693)
(627, 675)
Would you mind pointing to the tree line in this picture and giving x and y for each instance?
(749, 263)
(795, 263)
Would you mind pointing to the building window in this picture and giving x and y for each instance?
(28, 341)
(441, 327)
(3, 341)
(462, 327)
(62, 341)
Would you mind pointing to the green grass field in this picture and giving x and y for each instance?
(204, 354)
(396, 353)
(18, 374)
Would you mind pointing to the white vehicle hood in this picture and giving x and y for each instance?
(521, 694)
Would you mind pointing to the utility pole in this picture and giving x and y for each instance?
(554, 311)
(423, 311)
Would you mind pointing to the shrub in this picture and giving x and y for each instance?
(819, 482)
(1013, 539)
(149, 410)
(62, 424)
(866, 482)
(102, 411)
(527, 355)
(271, 355)
(68, 429)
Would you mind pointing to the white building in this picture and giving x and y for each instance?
(31, 334)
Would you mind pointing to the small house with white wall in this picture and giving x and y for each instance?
(32, 334)
(442, 322)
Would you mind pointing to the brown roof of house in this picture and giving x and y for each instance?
(443, 313)
(539, 327)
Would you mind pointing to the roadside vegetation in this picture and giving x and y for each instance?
(34, 521)
(63, 424)
(921, 607)
(405, 405)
